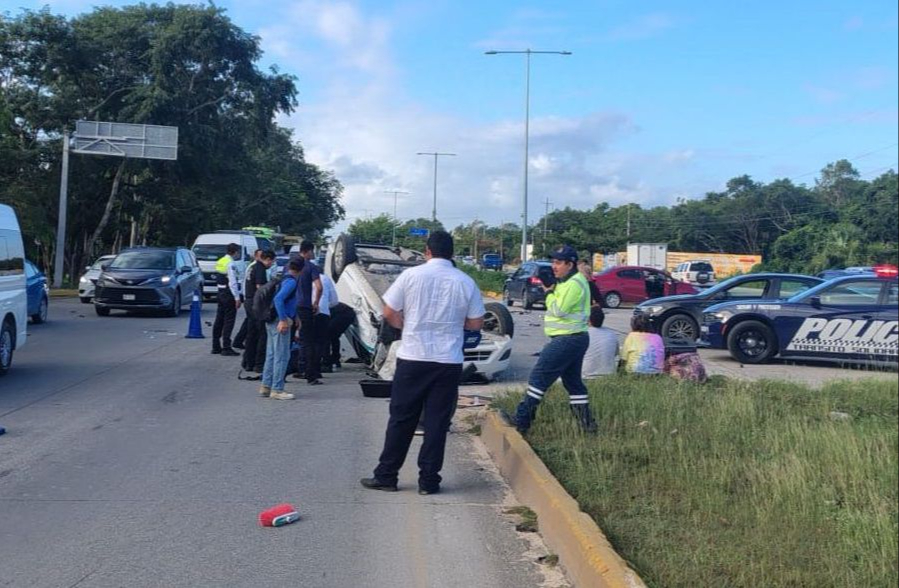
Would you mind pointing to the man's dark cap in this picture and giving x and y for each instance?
(565, 253)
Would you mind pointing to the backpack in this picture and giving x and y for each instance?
(264, 300)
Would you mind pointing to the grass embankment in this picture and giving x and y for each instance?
(736, 483)
(487, 280)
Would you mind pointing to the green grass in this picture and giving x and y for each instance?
(487, 280)
(736, 483)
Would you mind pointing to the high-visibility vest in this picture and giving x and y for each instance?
(568, 307)
(221, 268)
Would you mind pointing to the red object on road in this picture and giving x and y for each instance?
(278, 516)
(626, 284)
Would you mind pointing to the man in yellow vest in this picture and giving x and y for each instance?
(565, 323)
(228, 278)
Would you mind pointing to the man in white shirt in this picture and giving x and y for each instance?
(432, 304)
(601, 358)
(322, 322)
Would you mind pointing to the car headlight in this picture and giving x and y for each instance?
(652, 310)
(165, 280)
(83, 280)
(716, 317)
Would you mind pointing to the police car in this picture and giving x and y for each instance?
(850, 318)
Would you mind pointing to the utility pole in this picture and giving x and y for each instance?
(395, 193)
(474, 234)
(63, 205)
(436, 155)
(545, 215)
(628, 222)
(501, 223)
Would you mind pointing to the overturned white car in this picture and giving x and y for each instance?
(363, 273)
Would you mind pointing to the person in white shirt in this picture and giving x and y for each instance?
(601, 358)
(432, 304)
(326, 303)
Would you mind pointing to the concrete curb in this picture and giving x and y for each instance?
(583, 550)
(64, 293)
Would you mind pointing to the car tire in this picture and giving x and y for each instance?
(527, 303)
(612, 299)
(177, 302)
(344, 254)
(506, 297)
(40, 316)
(498, 319)
(752, 342)
(680, 326)
(101, 310)
(7, 346)
(85, 299)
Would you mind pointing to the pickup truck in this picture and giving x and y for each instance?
(492, 261)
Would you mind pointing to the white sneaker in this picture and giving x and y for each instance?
(265, 391)
(281, 395)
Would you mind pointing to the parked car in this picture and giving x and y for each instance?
(13, 296)
(852, 318)
(362, 273)
(679, 317)
(151, 278)
(632, 284)
(526, 284)
(492, 261)
(88, 282)
(697, 272)
(848, 271)
(210, 247)
(38, 293)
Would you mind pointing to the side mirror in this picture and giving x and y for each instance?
(815, 301)
(104, 267)
(87, 268)
(185, 269)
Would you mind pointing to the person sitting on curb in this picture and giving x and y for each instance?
(643, 351)
(601, 358)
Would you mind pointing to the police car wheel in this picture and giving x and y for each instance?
(752, 342)
(680, 326)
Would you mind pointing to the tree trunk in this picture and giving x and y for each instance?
(104, 220)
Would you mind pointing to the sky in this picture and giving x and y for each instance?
(659, 101)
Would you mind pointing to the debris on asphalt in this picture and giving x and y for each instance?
(278, 516)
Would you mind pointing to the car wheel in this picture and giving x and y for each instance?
(612, 299)
(42, 311)
(7, 342)
(498, 320)
(528, 303)
(101, 310)
(506, 297)
(680, 326)
(85, 299)
(344, 254)
(752, 342)
(175, 310)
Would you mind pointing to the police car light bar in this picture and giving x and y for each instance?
(886, 271)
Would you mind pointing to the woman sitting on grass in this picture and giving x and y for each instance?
(643, 351)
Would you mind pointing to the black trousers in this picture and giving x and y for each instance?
(342, 316)
(311, 358)
(322, 343)
(254, 349)
(240, 338)
(419, 387)
(225, 315)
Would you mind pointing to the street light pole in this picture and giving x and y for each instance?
(63, 211)
(436, 155)
(395, 193)
(527, 115)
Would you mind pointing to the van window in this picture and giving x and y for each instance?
(12, 256)
(211, 252)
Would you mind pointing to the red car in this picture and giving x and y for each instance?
(631, 284)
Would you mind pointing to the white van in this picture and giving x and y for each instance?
(210, 247)
(13, 299)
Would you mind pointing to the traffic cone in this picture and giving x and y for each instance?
(195, 330)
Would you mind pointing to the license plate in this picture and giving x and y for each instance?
(129, 297)
(703, 329)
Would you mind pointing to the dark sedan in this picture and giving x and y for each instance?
(526, 284)
(679, 317)
(148, 278)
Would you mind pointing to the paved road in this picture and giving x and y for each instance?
(135, 458)
(529, 339)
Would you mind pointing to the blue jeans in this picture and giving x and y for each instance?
(277, 354)
(562, 357)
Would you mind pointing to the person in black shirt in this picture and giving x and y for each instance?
(584, 267)
(254, 350)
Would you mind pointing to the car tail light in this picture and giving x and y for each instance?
(535, 281)
(886, 271)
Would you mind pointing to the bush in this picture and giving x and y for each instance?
(487, 281)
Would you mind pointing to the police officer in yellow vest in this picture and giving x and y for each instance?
(565, 323)
(228, 277)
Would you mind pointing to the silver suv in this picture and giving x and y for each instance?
(697, 272)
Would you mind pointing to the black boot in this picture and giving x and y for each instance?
(585, 418)
(524, 414)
